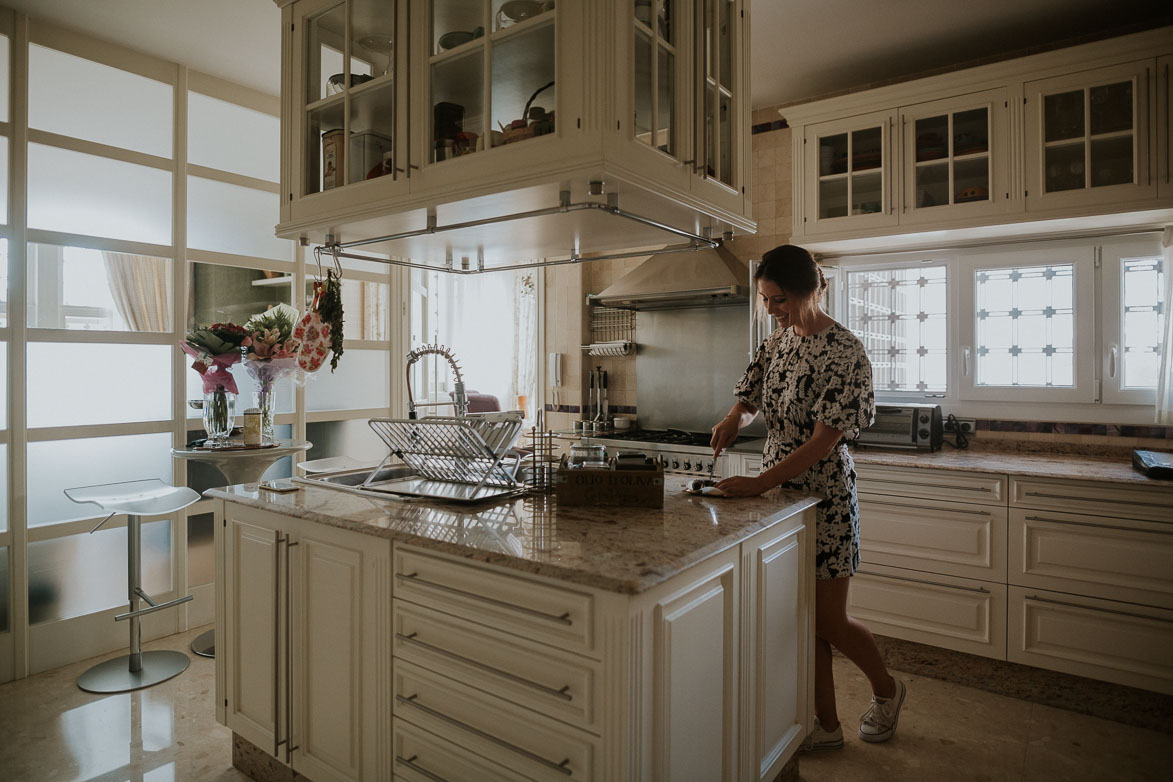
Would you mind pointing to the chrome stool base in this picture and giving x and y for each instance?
(205, 644)
(115, 675)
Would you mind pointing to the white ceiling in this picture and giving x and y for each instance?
(800, 48)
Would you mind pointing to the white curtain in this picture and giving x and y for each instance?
(141, 288)
(525, 330)
(1165, 376)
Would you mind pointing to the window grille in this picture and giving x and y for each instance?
(1025, 324)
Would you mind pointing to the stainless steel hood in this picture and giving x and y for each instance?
(691, 278)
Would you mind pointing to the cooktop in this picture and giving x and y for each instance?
(669, 437)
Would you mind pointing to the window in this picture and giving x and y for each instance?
(1133, 285)
(900, 315)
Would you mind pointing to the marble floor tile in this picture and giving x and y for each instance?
(50, 731)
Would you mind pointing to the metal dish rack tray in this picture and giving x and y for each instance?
(455, 458)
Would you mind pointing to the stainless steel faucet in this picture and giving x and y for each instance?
(460, 399)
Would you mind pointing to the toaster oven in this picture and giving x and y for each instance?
(905, 426)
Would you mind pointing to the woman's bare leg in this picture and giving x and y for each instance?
(825, 687)
(833, 626)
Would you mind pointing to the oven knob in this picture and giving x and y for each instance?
(924, 419)
(923, 434)
(675, 464)
(688, 465)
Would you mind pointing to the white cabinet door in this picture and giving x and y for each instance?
(955, 154)
(1164, 139)
(848, 175)
(777, 633)
(249, 633)
(1088, 138)
(340, 598)
(694, 643)
(1117, 642)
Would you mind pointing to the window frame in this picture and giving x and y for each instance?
(1114, 252)
(1081, 255)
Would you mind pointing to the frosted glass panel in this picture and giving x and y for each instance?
(3, 488)
(71, 384)
(56, 465)
(82, 194)
(4, 47)
(5, 594)
(3, 387)
(82, 574)
(4, 178)
(80, 288)
(233, 219)
(368, 310)
(3, 282)
(363, 379)
(84, 99)
(232, 138)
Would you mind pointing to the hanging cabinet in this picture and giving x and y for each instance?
(1082, 133)
(400, 114)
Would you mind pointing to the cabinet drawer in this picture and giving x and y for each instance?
(953, 613)
(1092, 555)
(539, 748)
(1116, 642)
(939, 537)
(423, 757)
(1118, 500)
(515, 604)
(559, 684)
(932, 484)
(751, 466)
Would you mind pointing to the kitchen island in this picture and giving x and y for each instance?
(364, 638)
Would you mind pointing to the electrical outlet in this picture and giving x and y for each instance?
(966, 425)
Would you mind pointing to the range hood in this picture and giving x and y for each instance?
(690, 278)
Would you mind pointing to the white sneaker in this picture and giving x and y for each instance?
(879, 722)
(822, 739)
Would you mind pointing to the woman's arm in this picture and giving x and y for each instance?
(822, 442)
(725, 432)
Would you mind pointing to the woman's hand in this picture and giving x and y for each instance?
(743, 486)
(724, 433)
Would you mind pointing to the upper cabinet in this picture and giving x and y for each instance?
(406, 117)
(1074, 133)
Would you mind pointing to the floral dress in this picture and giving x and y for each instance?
(796, 381)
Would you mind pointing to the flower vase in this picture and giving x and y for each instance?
(266, 396)
(219, 415)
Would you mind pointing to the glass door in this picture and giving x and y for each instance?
(349, 94)
(1088, 136)
(656, 60)
(491, 74)
(848, 174)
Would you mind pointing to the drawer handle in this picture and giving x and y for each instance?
(981, 590)
(1091, 499)
(870, 501)
(936, 485)
(410, 763)
(1038, 599)
(412, 639)
(415, 579)
(1099, 526)
(412, 700)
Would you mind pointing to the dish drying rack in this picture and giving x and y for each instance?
(612, 332)
(463, 450)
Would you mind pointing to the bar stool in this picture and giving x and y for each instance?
(136, 499)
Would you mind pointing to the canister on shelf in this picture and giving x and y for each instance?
(333, 158)
(252, 426)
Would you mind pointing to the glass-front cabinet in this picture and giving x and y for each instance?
(850, 174)
(1164, 143)
(392, 105)
(954, 157)
(1087, 137)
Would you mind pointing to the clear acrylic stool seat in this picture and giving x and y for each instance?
(136, 499)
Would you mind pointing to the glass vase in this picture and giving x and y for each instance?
(266, 402)
(219, 415)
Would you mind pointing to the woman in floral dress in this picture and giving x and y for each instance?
(812, 382)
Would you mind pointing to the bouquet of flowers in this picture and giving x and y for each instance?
(270, 353)
(214, 349)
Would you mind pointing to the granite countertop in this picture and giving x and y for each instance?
(1101, 465)
(618, 549)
